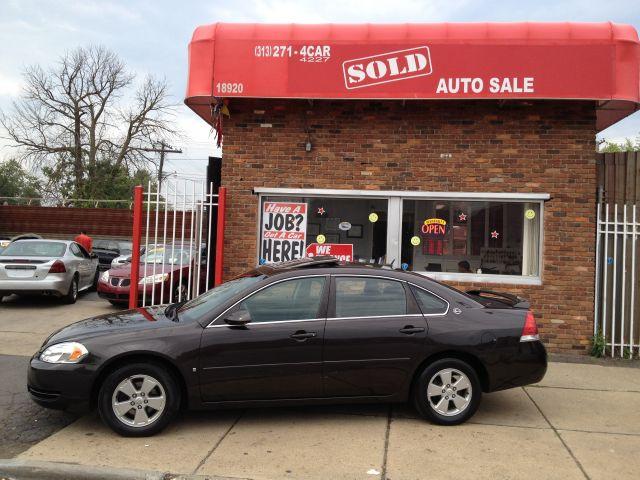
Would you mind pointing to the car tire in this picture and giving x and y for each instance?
(438, 396)
(127, 387)
(72, 293)
(96, 277)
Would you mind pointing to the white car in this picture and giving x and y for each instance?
(47, 267)
(122, 259)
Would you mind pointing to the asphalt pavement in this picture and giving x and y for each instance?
(24, 323)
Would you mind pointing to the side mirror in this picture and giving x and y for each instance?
(238, 318)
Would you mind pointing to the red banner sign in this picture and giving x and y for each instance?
(343, 251)
(599, 61)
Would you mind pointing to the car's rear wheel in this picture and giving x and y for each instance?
(72, 293)
(138, 400)
(447, 392)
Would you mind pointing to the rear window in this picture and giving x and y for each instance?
(35, 249)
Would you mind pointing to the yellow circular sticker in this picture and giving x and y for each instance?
(373, 217)
(415, 241)
(321, 239)
(530, 214)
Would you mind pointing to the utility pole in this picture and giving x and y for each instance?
(164, 149)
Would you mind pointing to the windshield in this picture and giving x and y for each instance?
(215, 297)
(35, 249)
(168, 255)
(125, 248)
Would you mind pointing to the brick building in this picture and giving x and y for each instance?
(491, 187)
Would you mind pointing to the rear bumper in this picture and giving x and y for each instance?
(52, 285)
(60, 386)
(525, 366)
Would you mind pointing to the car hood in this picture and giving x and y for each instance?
(124, 271)
(127, 321)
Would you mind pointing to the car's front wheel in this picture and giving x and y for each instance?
(447, 392)
(138, 400)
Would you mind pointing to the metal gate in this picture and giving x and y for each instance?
(178, 237)
(617, 309)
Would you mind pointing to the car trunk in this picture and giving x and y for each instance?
(24, 268)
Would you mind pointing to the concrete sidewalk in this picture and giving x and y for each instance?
(582, 421)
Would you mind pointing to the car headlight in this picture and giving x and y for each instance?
(67, 352)
(104, 277)
(157, 278)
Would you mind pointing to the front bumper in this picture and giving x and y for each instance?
(53, 284)
(120, 294)
(61, 386)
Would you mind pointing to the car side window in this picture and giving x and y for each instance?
(369, 297)
(75, 250)
(296, 299)
(83, 252)
(429, 303)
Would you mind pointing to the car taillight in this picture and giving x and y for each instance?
(530, 329)
(57, 267)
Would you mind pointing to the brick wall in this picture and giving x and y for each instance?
(545, 147)
(66, 222)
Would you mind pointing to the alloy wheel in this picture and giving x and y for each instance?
(449, 392)
(138, 400)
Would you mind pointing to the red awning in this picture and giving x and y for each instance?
(551, 61)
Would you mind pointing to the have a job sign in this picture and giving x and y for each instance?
(284, 231)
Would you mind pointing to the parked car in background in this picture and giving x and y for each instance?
(108, 250)
(302, 332)
(126, 258)
(163, 273)
(4, 242)
(48, 267)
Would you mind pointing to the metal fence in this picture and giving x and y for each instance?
(617, 312)
(179, 255)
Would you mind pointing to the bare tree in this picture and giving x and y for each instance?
(84, 111)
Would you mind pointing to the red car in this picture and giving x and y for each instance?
(167, 273)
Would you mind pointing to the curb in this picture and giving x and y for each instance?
(13, 469)
(588, 360)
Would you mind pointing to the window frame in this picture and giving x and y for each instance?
(395, 212)
(430, 293)
(323, 301)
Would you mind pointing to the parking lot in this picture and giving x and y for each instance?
(582, 421)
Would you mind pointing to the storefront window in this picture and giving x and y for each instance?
(457, 236)
(353, 229)
(471, 237)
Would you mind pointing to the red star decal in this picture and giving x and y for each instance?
(494, 234)
(321, 211)
(462, 217)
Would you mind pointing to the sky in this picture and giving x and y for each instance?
(151, 36)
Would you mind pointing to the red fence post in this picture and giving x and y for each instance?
(222, 203)
(135, 250)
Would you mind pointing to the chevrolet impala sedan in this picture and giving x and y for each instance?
(310, 331)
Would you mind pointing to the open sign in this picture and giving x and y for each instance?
(435, 227)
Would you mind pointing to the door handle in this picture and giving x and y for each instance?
(410, 330)
(302, 335)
